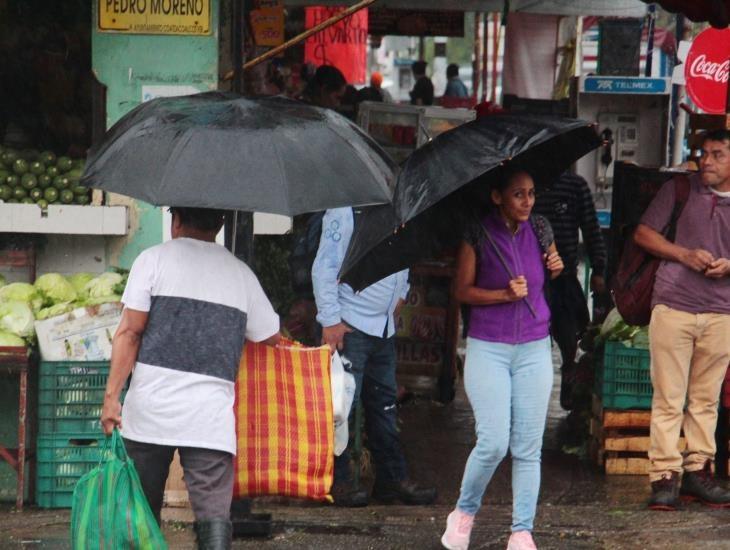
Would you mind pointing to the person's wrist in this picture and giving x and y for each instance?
(330, 322)
(682, 254)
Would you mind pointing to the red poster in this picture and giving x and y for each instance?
(343, 45)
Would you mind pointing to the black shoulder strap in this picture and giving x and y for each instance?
(543, 230)
(682, 187)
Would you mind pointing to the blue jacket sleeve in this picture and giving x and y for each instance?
(337, 226)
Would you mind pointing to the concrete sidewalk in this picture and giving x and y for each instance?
(579, 508)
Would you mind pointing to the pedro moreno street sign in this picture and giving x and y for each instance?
(155, 16)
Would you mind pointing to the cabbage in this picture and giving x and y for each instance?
(55, 289)
(78, 281)
(7, 339)
(57, 309)
(103, 285)
(3, 282)
(21, 292)
(611, 323)
(641, 339)
(102, 300)
(17, 318)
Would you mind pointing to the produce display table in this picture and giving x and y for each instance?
(428, 332)
(15, 361)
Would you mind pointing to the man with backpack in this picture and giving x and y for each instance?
(362, 326)
(689, 331)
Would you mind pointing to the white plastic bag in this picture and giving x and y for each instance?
(343, 392)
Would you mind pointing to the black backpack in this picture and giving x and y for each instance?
(304, 251)
(302, 256)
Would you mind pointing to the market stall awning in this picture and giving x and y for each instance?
(717, 12)
(609, 8)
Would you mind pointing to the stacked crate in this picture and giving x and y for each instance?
(70, 399)
(622, 411)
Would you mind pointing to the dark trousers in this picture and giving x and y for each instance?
(569, 315)
(208, 477)
(373, 366)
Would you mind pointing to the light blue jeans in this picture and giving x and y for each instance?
(509, 388)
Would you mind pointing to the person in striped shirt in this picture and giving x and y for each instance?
(568, 205)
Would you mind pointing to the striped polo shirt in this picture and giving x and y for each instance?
(202, 304)
(568, 205)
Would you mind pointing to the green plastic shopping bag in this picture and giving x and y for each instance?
(109, 509)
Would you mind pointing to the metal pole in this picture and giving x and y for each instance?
(475, 66)
(651, 14)
(303, 36)
(485, 51)
(680, 115)
(237, 25)
(496, 38)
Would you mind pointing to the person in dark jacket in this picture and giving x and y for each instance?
(422, 93)
(568, 205)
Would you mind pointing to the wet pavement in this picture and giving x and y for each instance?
(580, 508)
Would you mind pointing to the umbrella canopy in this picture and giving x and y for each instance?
(609, 8)
(221, 150)
(444, 186)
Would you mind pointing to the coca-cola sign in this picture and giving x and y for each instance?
(706, 70)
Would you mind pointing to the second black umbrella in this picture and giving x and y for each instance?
(445, 184)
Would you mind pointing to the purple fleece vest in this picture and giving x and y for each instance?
(510, 323)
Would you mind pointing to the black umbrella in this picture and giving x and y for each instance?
(444, 185)
(221, 150)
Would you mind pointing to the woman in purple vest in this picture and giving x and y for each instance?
(508, 373)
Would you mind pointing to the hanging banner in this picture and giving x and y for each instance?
(343, 45)
(706, 70)
(155, 16)
(385, 21)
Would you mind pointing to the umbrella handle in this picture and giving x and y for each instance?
(503, 261)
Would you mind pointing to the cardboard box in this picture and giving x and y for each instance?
(84, 334)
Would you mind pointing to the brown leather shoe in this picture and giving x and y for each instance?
(665, 493)
(407, 492)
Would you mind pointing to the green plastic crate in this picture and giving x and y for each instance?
(625, 381)
(61, 461)
(70, 396)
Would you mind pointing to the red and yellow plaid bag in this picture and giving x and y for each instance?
(285, 424)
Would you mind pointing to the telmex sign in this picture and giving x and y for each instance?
(155, 16)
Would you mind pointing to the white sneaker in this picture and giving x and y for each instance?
(521, 540)
(458, 530)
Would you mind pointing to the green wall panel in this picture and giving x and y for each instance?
(134, 67)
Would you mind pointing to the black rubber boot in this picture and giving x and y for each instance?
(214, 534)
